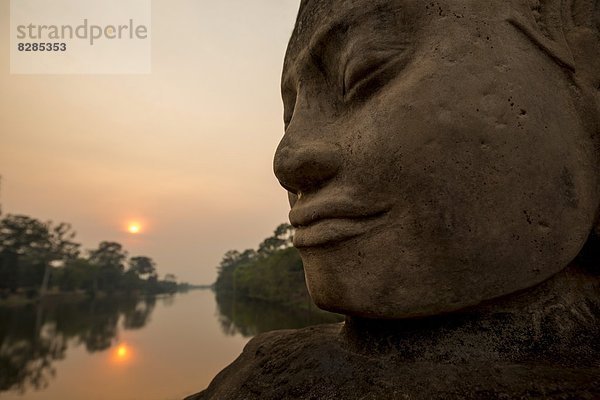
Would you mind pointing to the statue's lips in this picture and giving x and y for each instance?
(328, 225)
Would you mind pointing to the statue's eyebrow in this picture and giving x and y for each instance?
(330, 38)
(320, 42)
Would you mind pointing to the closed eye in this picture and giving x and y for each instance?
(364, 75)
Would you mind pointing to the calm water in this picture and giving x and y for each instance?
(127, 349)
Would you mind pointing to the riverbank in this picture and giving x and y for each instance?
(21, 299)
(57, 297)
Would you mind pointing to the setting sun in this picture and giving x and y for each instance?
(122, 354)
(134, 228)
(122, 351)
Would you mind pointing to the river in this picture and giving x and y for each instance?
(157, 348)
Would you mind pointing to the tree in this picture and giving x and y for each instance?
(22, 240)
(61, 249)
(76, 274)
(109, 255)
(285, 233)
(281, 239)
(29, 248)
(109, 261)
(142, 265)
(231, 261)
(35, 255)
(62, 246)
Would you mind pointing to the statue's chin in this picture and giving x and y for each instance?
(557, 318)
(371, 290)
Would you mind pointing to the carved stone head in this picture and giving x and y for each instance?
(439, 153)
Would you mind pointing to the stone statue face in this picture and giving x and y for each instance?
(434, 154)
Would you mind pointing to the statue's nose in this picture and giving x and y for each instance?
(302, 168)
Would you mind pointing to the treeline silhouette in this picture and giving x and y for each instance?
(37, 257)
(271, 273)
(264, 289)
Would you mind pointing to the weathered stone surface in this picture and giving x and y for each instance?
(540, 344)
(442, 163)
(313, 363)
(439, 154)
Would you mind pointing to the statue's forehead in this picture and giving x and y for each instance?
(316, 18)
(316, 14)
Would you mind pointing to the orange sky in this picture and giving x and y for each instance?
(185, 151)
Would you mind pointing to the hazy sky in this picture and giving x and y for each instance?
(186, 150)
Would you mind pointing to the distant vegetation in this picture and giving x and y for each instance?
(272, 274)
(38, 257)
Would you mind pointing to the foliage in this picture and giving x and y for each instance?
(29, 248)
(37, 256)
(109, 255)
(273, 273)
(142, 265)
(108, 265)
